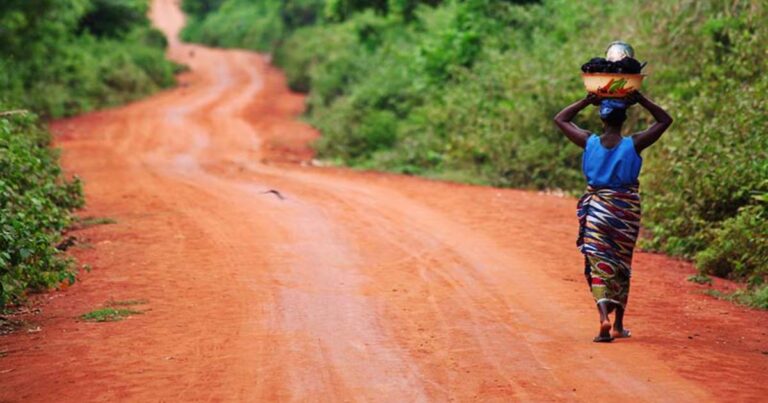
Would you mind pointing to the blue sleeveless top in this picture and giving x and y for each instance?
(611, 167)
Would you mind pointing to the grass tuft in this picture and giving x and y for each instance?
(754, 298)
(700, 278)
(86, 222)
(108, 315)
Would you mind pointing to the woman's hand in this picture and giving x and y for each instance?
(633, 97)
(593, 99)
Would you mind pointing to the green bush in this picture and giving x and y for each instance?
(114, 18)
(34, 208)
(739, 247)
(238, 23)
(66, 57)
(756, 297)
(60, 57)
(200, 8)
(467, 89)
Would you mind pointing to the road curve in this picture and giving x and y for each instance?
(341, 285)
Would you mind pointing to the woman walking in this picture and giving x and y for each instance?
(609, 211)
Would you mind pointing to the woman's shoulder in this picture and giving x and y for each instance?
(592, 139)
(628, 141)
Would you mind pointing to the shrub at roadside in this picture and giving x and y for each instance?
(708, 179)
(34, 208)
(65, 57)
(59, 57)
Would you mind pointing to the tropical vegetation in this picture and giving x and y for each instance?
(58, 58)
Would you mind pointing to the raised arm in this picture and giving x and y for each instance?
(563, 120)
(645, 138)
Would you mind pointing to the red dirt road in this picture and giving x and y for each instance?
(356, 286)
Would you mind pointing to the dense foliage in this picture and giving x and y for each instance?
(466, 90)
(34, 208)
(59, 57)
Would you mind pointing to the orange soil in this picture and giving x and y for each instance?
(357, 286)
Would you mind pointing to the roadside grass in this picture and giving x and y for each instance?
(700, 278)
(114, 311)
(108, 315)
(753, 298)
(87, 222)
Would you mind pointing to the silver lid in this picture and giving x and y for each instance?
(618, 50)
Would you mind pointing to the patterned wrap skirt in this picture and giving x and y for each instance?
(609, 223)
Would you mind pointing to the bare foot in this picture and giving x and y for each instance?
(605, 333)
